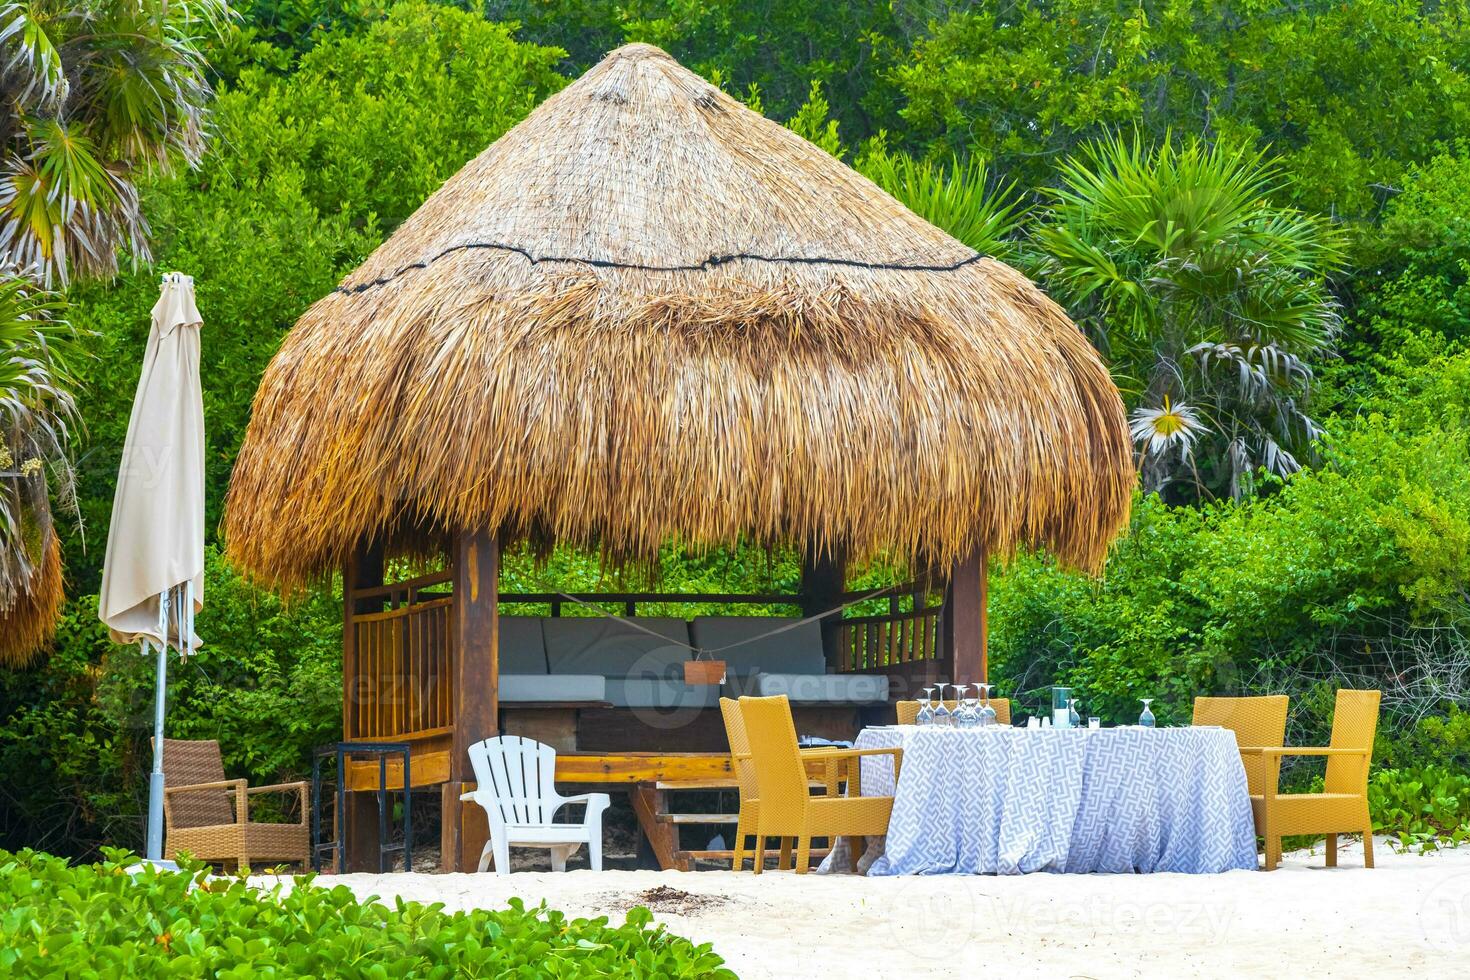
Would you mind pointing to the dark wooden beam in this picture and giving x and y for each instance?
(476, 666)
(363, 569)
(966, 626)
(823, 583)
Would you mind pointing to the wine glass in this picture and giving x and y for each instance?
(925, 716)
(972, 709)
(943, 717)
(987, 712)
(961, 717)
(1147, 719)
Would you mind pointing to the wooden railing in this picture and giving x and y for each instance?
(403, 683)
(875, 643)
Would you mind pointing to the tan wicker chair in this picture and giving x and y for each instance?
(827, 760)
(786, 806)
(1342, 806)
(201, 820)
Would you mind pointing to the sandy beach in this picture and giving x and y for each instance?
(1409, 915)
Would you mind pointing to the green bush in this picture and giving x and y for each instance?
(1327, 85)
(1356, 573)
(267, 685)
(1421, 808)
(99, 921)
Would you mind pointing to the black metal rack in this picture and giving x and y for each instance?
(338, 846)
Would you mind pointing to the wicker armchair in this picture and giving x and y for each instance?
(1342, 806)
(786, 806)
(208, 815)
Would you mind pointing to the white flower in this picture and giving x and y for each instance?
(1157, 430)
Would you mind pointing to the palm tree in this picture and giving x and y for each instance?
(37, 414)
(94, 90)
(1210, 302)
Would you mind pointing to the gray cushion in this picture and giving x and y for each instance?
(819, 688)
(599, 645)
(522, 650)
(648, 692)
(561, 687)
(797, 650)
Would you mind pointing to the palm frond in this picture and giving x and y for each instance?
(96, 90)
(961, 197)
(37, 414)
(33, 71)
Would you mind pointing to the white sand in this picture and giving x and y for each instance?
(1409, 915)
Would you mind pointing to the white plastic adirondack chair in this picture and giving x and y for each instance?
(514, 783)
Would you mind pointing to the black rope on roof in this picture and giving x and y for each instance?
(712, 262)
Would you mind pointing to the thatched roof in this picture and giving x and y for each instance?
(646, 313)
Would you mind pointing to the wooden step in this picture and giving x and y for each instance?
(709, 784)
(698, 818)
(772, 855)
(707, 855)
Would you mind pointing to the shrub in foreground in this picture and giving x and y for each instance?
(99, 921)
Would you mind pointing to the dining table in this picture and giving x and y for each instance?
(999, 799)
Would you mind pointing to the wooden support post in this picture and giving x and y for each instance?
(476, 671)
(649, 804)
(966, 625)
(823, 581)
(363, 570)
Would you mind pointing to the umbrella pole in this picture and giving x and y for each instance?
(155, 780)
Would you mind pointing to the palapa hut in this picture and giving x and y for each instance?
(647, 314)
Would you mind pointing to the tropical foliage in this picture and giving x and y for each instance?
(99, 920)
(93, 92)
(959, 196)
(1209, 302)
(1256, 210)
(37, 419)
(1351, 95)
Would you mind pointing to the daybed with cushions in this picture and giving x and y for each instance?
(764, 663)
(524, 673)
(640, 664)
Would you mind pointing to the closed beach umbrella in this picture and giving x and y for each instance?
(153, 575)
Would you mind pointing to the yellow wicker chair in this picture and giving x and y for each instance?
(908, 711)
(1258, 722)
(199, 817)
(786, 807)
(745, 777)
(1342, 806)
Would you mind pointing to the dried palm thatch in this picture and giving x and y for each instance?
(28, 620)
(648, 313)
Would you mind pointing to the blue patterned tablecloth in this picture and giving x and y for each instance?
(1003, 800)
